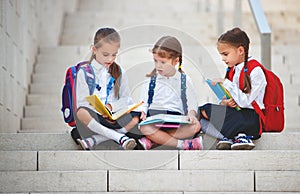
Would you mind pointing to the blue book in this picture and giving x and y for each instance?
(220, 91)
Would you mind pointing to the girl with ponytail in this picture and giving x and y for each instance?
(238, 127)
(112, 88)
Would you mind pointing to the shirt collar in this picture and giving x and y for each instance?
(97, 66)
(174, 77)
(241, 65)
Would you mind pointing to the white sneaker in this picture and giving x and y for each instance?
(242, 142)
(127, 143)
(224, 144)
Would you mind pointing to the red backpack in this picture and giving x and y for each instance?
(272, 117)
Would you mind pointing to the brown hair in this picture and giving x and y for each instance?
(167, 47)
(236, 38)
(109, 35)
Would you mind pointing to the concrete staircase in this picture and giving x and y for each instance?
(42, 158)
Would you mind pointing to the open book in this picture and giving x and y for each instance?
(220, 91)
(104, 110)
(166, 120)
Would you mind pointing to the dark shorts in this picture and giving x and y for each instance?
(230, 122)
(121, 122)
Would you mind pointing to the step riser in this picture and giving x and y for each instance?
(63, 141)
(53, 181)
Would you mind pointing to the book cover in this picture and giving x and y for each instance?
(220, 91)
(166, 120)
(103, 110)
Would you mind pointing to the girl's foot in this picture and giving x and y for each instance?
(127, 143)
(193, 144)
(146, 143)
(224, 144)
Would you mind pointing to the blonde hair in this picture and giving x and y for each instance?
(167, 47)
(109, 35)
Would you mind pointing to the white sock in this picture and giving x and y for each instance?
(122, 130)
(104, 131)
(99, 139)
(180, 144)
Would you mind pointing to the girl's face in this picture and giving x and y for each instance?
(106, 53)
(231, 55)
(165, 66)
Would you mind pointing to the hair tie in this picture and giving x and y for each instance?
(180, 66)
(246, 70)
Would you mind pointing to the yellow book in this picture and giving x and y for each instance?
(104, 110)
(220, 91)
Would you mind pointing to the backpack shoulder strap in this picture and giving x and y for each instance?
(151, 90)
(89, 77)
(183, 92)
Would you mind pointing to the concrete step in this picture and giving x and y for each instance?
(287, 140)
(182, 180)
(51, 110)
(47, 88)
(43, 99)
(255, 171)
(53, 181)
(43, 124)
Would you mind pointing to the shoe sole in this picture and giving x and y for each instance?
(82, 145)
(142, 144)
(130, 145)
(200, 143)
(242, 146)
(223, 146)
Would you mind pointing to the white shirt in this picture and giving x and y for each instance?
(167, 94)
(102, 77)
(258, 83)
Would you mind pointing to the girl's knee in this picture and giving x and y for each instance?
(148, 129)
(84, 116)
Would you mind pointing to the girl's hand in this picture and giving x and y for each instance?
(192, 118)
(143, 115)
(109, 106)
(228, 102)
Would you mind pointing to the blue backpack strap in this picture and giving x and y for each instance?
(183, 92)
(89, 77)
(151, 89)
(109, 87)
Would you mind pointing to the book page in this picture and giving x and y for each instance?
(103, 110)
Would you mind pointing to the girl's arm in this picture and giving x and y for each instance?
(191, 96)
(258, 83)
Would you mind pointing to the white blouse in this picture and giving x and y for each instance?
(167, 94)
(102, 77)
(258, 83)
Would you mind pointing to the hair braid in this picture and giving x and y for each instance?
(247, 81)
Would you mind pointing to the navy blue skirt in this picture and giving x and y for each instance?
(230, 122)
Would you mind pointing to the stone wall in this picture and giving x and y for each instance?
(25, 26)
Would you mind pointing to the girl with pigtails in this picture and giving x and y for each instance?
(169, 91)
(234, 128)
